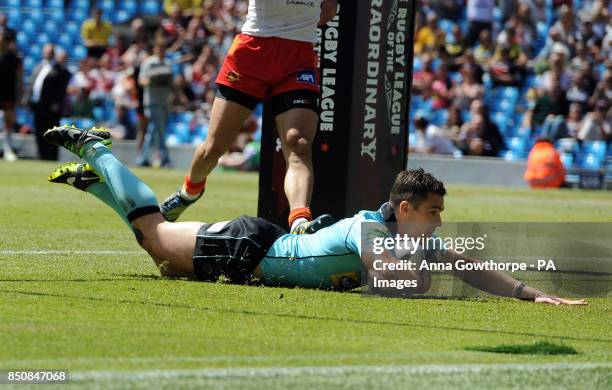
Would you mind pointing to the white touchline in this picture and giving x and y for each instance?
(263, 372)
(69, 252)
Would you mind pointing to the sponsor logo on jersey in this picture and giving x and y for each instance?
(232, 76)
(306, 76)
(301, 2)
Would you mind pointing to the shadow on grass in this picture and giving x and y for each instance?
(302, 316)
(538, 348)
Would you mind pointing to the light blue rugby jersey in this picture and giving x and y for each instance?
(327, 259)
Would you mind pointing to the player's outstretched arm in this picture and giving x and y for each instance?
(329, 8)
(498, 283)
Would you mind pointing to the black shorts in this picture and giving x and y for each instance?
(233, 248)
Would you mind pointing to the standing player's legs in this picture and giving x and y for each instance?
(297, 129)
(226, 120)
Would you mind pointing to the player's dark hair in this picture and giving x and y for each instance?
(413, 185)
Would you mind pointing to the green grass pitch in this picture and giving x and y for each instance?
(77, 293)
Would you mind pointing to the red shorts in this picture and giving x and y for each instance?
(263, 67)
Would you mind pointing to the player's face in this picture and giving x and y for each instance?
(421, 220)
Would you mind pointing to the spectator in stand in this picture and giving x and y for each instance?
(442, 88)
(47, 93)
(597, 125)
(182, 97)
(447, 9)
(479, 138)
(470, 89)
(453, 125)
(485, 49)
(423, 78)
(8, 33)
(125, 98)
(480, 17)
(566, 26)
(95, 33)
(551, 105)
(156, 79)
(187, 7)
(557, 73)
(172, 30)
(430, 139)
(537, 10)
(11, 70)
(430, 37)
(578, 92)
(507, 8)
(455, 47)
(603, 91)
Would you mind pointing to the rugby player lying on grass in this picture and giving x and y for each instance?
(248, 248)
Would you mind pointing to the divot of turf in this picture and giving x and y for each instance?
(538, 348)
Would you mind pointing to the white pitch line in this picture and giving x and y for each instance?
(266, 372)
(69, 252)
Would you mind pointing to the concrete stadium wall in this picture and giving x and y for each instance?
(467, 170)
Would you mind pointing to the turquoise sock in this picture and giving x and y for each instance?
(102, 192)
(133, 197)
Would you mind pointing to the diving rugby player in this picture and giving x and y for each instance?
(249, 248)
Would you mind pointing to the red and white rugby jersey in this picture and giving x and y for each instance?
(289, 19)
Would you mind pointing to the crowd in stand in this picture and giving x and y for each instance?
(120, 73)
(558, 56)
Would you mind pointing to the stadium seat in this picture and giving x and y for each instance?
(22, 39)
(42, 39)
(516, 144)
(596, 148)
(501, 120)
(65, 40)
(29, 28)
(107, 6)
(78, 15)
(150, 7)
(567, 145)
(568, 160)
(32, 4)
(131, 6)
(35, 50)
(121, 16)
(14, 17)
(80, 4)
(13, 4)
(72, 28)
(50, 28)
(56, 4)
(589, 161)
(78, 52)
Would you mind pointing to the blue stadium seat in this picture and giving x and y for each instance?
(29, 64)
(72, 28)
(568, 160)
(121, 16)
(14, 17)
(567, 145)
(22, 39)
(106, 5)
(50, 27)
(446, 26)
(516, 144)
(42, 38)
(57, 15)
(78, 15)
(13, 4)
(131, 6)
(150, 7)
(510, 155)
(78, 52)
(501, 120)
(589, 161)
(596, 148)
(32, 3)
(65, 40)
(57, 4)
(80, 4)
(35, 50)
(35, 15)
(29, 28)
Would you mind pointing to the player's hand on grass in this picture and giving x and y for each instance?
(559, 301)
